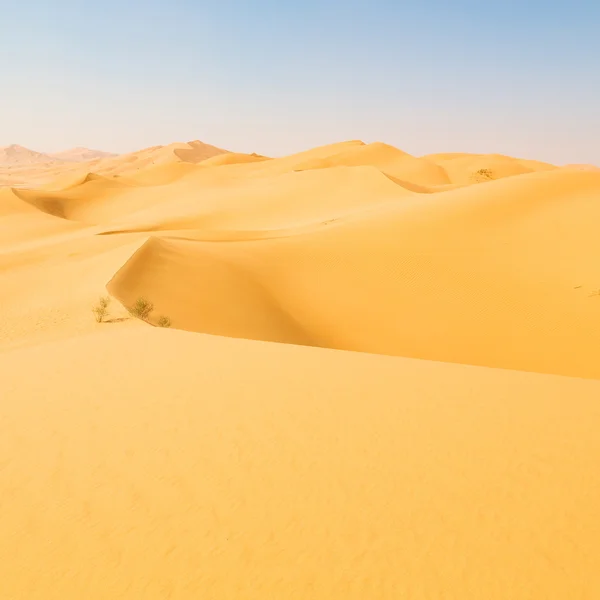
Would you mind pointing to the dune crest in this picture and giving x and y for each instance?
(16, 155)
(478, 168)
(441, 267)
(80, 154)
(388, 159)
(232, 158)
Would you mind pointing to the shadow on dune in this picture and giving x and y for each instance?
(452, 277)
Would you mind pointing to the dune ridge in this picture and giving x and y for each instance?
(380, 378)
(80, 154)
(388, 159)
(15, 154)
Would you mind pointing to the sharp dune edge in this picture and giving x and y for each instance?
(381, 379)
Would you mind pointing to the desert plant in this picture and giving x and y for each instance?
(164, 321)
(141, 309)
(483, 174)
(101, 309)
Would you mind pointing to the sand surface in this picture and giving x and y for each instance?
(380, 379)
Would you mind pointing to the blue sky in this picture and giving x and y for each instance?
(520, 78)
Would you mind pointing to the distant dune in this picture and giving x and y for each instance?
(581, 167)
(478, 168)
(378, 378)
(16, 155)
(197, 151)
(81, 155)
(232, 158)
(20, 167)
(387, 159)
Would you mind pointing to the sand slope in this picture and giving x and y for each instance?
(80, 154)
(317, 458)
(232, 158)
(176, 465)
(479, 168)
(23, 168)
(269, 203)
(498, 275)
(16, 155)
(388, 159)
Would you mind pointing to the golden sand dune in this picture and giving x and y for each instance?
(55, 172)
(94, 197)
(162, 464)
(581, 167)
(156, 175)
(80, 154)
(11, 204)
(197, 152)
(128, 164)
(232, 158)
(277, 202)
(51, 274)
(473, 168)
(194, 198)
(388, 159)
(22, 167)
(16, 155)
(21, 222)
(139, 462)
(289, 163)
(497, 275)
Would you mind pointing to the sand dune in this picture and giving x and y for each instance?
(15, 155)
(478, 168)
(20, 166)
(388, 159)
(232, 158)
(268, 203)
(197, 152)
(338, 451)
(580, 167)
(22, 222)
(128, 164)
(92, 195)
(180, 465)
(80, 154)
(457, 277)
(18, 155)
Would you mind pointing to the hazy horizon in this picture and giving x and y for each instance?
(517, 80)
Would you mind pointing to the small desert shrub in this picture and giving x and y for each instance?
(101, 309)
(141, 309)
(483, 175)
(164, 321)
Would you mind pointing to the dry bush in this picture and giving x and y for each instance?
(164, 321)
(483, 175)
(141, 309)
(101, 309)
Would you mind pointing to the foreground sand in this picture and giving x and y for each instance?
(162, 464)
(139, 462)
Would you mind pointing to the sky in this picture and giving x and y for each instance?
(275, 76)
